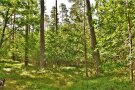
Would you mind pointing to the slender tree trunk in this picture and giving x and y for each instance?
(130, 39)
(93, 42)
(26, 45)
(13, 37)
(27, 39)
(56, 17)
(4, 28)
(42, 40)
(85, 44)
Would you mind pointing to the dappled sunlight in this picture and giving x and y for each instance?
(23, 78)
(120, 79)
(7, 69)
(26, 73)
(64, 78)
(77, 45)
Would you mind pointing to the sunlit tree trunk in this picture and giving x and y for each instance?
(130, 38)
(85, 44)
(93, 42)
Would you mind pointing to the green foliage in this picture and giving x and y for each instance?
(67, 45)
(112, 29)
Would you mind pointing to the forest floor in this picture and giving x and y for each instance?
(65, 78)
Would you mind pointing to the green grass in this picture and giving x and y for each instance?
(65, 78)
(103, 83)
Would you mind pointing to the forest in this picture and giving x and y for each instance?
(87, 46)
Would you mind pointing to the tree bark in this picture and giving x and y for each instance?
(85, 44)
(93, 42)
(26, 45)
(42, 40)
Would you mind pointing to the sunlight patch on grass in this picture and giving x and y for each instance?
(7, 69)
(26, 73)
(68, 68)
(18, 65)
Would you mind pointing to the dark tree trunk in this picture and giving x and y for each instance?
(4, 28)
(26, 45)
(56, 17)
(93, 42)
(13, 37)
(42, 40)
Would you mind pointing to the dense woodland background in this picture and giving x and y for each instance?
(86, 47)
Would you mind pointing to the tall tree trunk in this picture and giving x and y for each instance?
(42, 40)
(56, 17)
(27, 38)
(85, 44)
(130, 39)
(13, 37)
(93, 42)
(26, 45)
(4, 28)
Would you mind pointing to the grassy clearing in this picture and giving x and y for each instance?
(65, 78)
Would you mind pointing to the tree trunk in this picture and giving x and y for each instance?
(93, 42)
(85, 44)
(42, 40)
(26, 45)
(130, 39)
(13, 37)
(4, 28)
(56, 17)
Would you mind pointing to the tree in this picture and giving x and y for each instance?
(76, 11)
(26, 44)
(76, 14)
(110, 29)
(93, 42)
(6, 18)
(130, 38)
(53, 21)
(56, 17)
(116, 24)
(85, 42)
(42, 40)
(13, 37)
(27, 36)
(64, 13)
